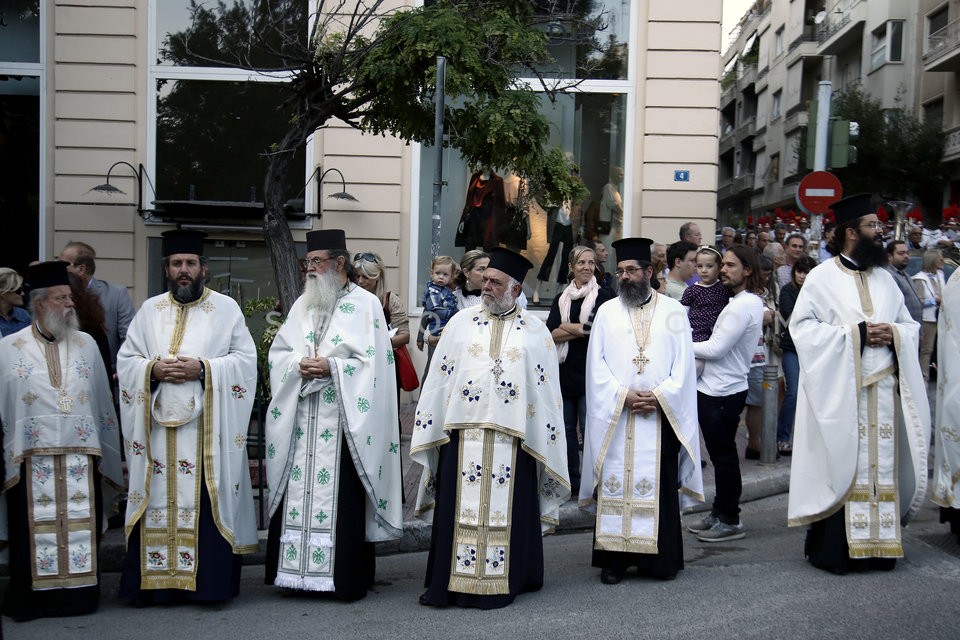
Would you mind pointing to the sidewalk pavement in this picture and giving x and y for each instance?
(759, 481)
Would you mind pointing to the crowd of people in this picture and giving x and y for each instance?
(606, 401)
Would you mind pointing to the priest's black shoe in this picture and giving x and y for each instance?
(611, 576)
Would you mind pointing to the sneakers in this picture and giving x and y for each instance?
(704, 524)
(722, 532)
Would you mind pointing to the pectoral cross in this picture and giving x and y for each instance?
(641, 361)
(64, 402)
(497, 369)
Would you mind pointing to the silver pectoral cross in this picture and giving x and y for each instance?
(641, 361)
(497, 369)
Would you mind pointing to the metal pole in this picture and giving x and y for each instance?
(438, 107)
(771, 387)
(824, 95)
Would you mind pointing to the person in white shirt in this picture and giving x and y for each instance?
(722, 389)
(929, 283)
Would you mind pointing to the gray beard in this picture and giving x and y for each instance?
(634, 294)
(185, 294)
(62, 325)
(499, 305)
(321, 290)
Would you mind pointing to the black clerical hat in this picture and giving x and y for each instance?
(48, 274)
(183, 241)
(510, 262)
(633, 249)
(853, 207)
(326, 240)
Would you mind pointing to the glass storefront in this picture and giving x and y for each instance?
(591, 128)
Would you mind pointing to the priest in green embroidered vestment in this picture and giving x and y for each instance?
(61, 455)
(489, 433)
(187, 373)
(333, 455)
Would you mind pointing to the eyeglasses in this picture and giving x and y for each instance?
(628, 270)
(316, 262)
(369, 257)
(876, 224)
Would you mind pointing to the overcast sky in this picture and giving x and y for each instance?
(733, 10)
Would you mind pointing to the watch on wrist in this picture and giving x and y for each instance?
(203, 371)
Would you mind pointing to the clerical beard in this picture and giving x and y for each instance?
(633, 294)
(186, 293)
(321, 290)
(499, 306)
(869, 252)
(61, 324)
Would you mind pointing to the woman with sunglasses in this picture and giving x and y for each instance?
(371, 275)
(13, 316)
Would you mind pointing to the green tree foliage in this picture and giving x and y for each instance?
(374, 68)
(898, 157)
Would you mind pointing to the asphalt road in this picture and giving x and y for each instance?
(758, 587)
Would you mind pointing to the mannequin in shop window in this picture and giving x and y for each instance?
(485, 205)
(610, 218)
(513, 227)
(567, 220)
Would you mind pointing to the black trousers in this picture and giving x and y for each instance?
(719, 420)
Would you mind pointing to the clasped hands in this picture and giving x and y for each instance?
(879, 335)
(312, 368)
(643, 402)
(176, 370)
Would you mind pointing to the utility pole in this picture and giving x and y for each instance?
(439, 97)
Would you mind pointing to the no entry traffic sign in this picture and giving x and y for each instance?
(818, 191)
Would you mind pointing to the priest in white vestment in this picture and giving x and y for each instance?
(863, 422)
(187, 373)
(61, 456)
(641, 451)
(333, 452)
(489, 433)
(946, 473)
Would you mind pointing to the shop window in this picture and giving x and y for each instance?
(590, 127)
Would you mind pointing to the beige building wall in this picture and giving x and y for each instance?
(676, 117)
(95, 110)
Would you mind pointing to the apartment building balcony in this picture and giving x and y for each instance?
(951, 144)
(842, 29)
(762, 79)
(796, 117)
(724, 190)
(728, 95)
(743, 183)
(943, 49)
(726, 142)
(747, 77)
(803, 46)
(747, 128)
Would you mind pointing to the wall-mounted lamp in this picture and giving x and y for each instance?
(140, 174)
(339, 195)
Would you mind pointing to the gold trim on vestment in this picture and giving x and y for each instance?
(484, 535)
(183, 311)
(62, 526)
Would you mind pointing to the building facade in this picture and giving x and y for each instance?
(900, 53)
(86, 84)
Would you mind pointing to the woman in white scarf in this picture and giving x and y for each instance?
(571, 315)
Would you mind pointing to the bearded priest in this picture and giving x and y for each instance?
(489, 434)
(333, 456)
(859, 465)
(187, 374)
(61, 453)
(641, 449)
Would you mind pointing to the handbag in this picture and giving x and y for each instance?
(406, 372)
(603, 227)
